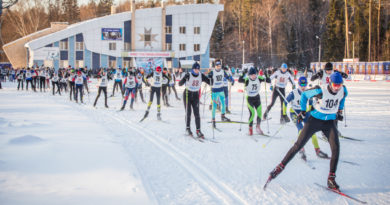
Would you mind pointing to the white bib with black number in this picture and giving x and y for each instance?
(172, 82)
(139, 79)
(296, 102)
(55, 78)
(325, 80)
(329, 104)
(71, 76)
(130, 82)
(194, 82)
(218, 78)
(103, 81)
(20, 76)
(118, 75)
(63, 79)
(28, 74)
(157, 79)
(165, 81)
(253, 87)
(79, 80)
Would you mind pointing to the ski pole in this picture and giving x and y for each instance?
(242, 106)
(266, 104)
(285, 100)
(273, 136)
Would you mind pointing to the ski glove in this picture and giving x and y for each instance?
(339, 115)
(293, 86)
(301, 116)
(271, 87)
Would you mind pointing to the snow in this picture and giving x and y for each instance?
(53, 151)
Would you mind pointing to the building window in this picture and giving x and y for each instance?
(197, 30)
(182, 47)
(182, 29)
(112, 46)
(64, 64)
(196, 47)
(168, 46)
(79, 64)
(63, 45)
(126, 63)
(127, 46)
(112, 63)
(79, 46)
(168, 29)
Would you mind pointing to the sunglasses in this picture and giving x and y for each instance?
(336, 86)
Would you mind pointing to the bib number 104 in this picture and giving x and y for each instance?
(331, 103)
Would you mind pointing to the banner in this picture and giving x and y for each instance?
(149, 64)
(47, 53)
(112, 34)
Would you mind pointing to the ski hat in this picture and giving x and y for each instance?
(328, 66)
(302, 81)
(218, 62)
(252, 71)
(283, 66)
(158, 69)
(336, 78)
(195, 66)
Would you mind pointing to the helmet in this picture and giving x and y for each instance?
(284, 66)
(336, 78)
(252, 71)
(302, 81)
(158, 69)
(196, 66)
(328, 66)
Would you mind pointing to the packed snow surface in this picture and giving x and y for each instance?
(54, 151)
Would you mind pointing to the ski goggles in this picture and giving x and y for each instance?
(336, 86)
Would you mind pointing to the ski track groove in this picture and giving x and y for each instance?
(207, 180)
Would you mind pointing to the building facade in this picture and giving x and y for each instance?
(172, 33)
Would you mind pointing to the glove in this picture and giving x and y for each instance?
(233, 82)
(301, 116)
(293, 87)
(147, 84)
(245, 71)
(271, 87)
(339, 115)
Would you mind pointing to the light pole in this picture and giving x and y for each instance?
(353, 44)
(319, 51)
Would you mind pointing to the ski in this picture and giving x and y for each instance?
(209, 140)
(350, 138)
(233, 122)
(252, 137)
(194, 138)
(308, 164)
(341, 193)
(344, 161)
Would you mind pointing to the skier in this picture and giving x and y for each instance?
(226, 87)
(252, 85)
(102, 87)
(42, 80)
(63, 84)
(20, 76)
(47, 77)
(86, 78)
(118, 81)
(294, 99)
(328, 109)
(281, 75)
(324, 75)
(156, 89)
(34, 78)
(55, 81)
(79, 81)
(29, 79)
(172, 84)
(164, 87)
(130, 84)
(193, 83)
(72, 89)
(140, 79)
(217, 76)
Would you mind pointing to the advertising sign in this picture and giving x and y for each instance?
(112, 34)
(47, 53)
(149, 64)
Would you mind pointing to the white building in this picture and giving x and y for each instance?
(171, 33)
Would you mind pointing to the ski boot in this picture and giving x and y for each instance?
(106, 105)
(258, 130)
(250, 131)
(321, 154)
(228, 111)
(303, 155)
(199, 134)
(224, 118)
(188, 132)
(284, 119)
(214, 124)
(122, 108)
(210, 107)
(158, 116)
(278, 169)
(332, 182)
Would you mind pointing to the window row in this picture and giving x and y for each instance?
(64, 45)
(182, 30)
(182, 47)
